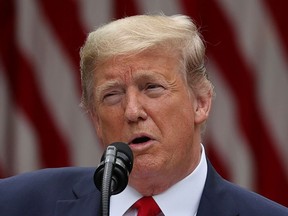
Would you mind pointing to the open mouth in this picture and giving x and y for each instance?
(140, 140)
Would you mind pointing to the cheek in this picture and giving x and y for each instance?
(177, 118)
(178, 129)
(110, 124)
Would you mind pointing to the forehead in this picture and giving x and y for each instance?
(141, 66)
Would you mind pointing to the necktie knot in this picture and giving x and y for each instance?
(147, 207)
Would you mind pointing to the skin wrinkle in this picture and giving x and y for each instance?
(101, 89)
(171, 111)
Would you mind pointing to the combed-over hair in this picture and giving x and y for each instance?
(135, 34)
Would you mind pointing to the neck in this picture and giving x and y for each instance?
(156, 184)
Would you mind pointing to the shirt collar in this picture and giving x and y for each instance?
(183, 198)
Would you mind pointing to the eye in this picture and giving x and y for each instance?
(110, 94)
(112, 97)
(153, 86)
(154, 90)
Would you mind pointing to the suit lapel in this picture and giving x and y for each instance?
(86, 202)
(88, 206)
(215, 199)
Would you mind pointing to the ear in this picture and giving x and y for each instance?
(202, 108)
(96, 123)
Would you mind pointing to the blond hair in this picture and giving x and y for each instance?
(135, 34)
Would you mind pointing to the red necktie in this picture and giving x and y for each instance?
(147, 207)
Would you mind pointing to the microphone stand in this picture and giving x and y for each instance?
(106, 181)
(111, 176)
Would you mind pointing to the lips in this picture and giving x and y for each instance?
(140, 139)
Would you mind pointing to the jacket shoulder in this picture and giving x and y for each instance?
(221, 197)
(41, 189)
(251, 203)
(45, 177)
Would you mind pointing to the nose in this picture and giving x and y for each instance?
(134, 110)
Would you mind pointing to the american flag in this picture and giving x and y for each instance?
(41, 124)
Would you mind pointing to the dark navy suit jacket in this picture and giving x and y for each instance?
(71, 191)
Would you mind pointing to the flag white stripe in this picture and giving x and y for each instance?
(263, 50)
(171, 7)
(4, 97)
(94, 13)
(58, 85)
(25, 154)
(223, 127)
(27, 157)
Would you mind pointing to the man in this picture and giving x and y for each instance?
(144, 84)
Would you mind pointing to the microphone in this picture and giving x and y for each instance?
(114, 169)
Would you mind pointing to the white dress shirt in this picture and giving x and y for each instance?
(183, 198)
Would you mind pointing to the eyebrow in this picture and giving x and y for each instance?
(105, 86)
(139, 75)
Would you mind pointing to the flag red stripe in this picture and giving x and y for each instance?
(26, 94)
(278, 10)
(216, 160)
(236, 72)
(9, 140)
(123, 8)
(7, 24)
(2, 174)
(249, 113)
(54, 150)
(64, 19)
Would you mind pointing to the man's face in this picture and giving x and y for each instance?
(143, 100)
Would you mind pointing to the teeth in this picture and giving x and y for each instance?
(140, 140)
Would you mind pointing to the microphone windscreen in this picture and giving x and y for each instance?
(127, 154)
(121, 167)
